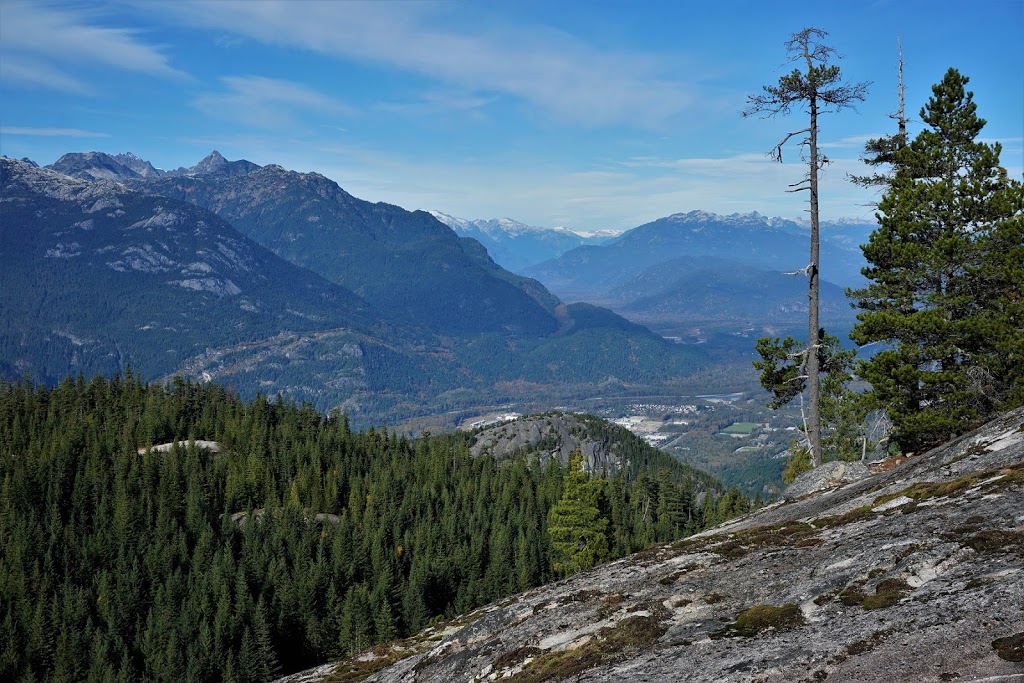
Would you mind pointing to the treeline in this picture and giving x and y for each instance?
(300, 540)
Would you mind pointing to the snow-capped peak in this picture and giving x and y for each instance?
(449, 220)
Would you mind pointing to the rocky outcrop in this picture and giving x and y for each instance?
(211, 446)
(911, 574)
(828, 475)
(545, 437)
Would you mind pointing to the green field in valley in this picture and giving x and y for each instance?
(741, 428)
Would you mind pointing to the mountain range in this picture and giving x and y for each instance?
(697, 267)
(676, 273)
(96, 277)
(127, 166)
(279, 281)
(282, 282)
(517, 246)
(412, 267)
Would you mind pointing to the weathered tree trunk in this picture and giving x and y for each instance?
(813, 383)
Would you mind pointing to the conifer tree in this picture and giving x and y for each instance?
(945, 279)
(575, 524)
(820, 89)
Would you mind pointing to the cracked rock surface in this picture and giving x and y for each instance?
(913, 574)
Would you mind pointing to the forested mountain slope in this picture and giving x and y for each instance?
(294, 541)
(698, 289)
(96, 277)
(408, 264)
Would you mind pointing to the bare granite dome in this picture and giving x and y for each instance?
(563, 432)
(911, 574)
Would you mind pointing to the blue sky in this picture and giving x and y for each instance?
(593, 115)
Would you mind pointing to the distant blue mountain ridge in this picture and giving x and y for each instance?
(686, 268)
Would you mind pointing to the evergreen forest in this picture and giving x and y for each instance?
(294, 540)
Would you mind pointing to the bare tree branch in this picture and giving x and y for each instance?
(776, 153)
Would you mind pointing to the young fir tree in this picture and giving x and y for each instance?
(820, 89)
(575, 525)
(945, 271)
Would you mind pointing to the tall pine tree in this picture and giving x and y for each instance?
(820, 89)
(945, 277)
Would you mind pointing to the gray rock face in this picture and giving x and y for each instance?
(546, 437)
(94, 166)
(215, 163)
(844, 585)
(829, 475)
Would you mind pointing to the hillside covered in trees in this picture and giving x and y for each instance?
(295, 540)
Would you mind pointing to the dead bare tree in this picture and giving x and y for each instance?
(821, 90)
(882, 151)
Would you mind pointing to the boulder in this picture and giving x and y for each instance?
(828, 476)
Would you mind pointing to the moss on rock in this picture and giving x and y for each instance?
(609, 645)
(758, 618)
(1010, 648)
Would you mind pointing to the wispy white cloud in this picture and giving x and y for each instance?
(54, 132)
(45, 46)
(23, 70)
(550, 70)
(853, 142)
(441, 102)
(268, 102)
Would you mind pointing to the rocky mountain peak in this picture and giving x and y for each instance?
(93, 166)
(140, 166)
(214, 163)
(449, 220)
(915, 573)
(50, 183)
(211, 163)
